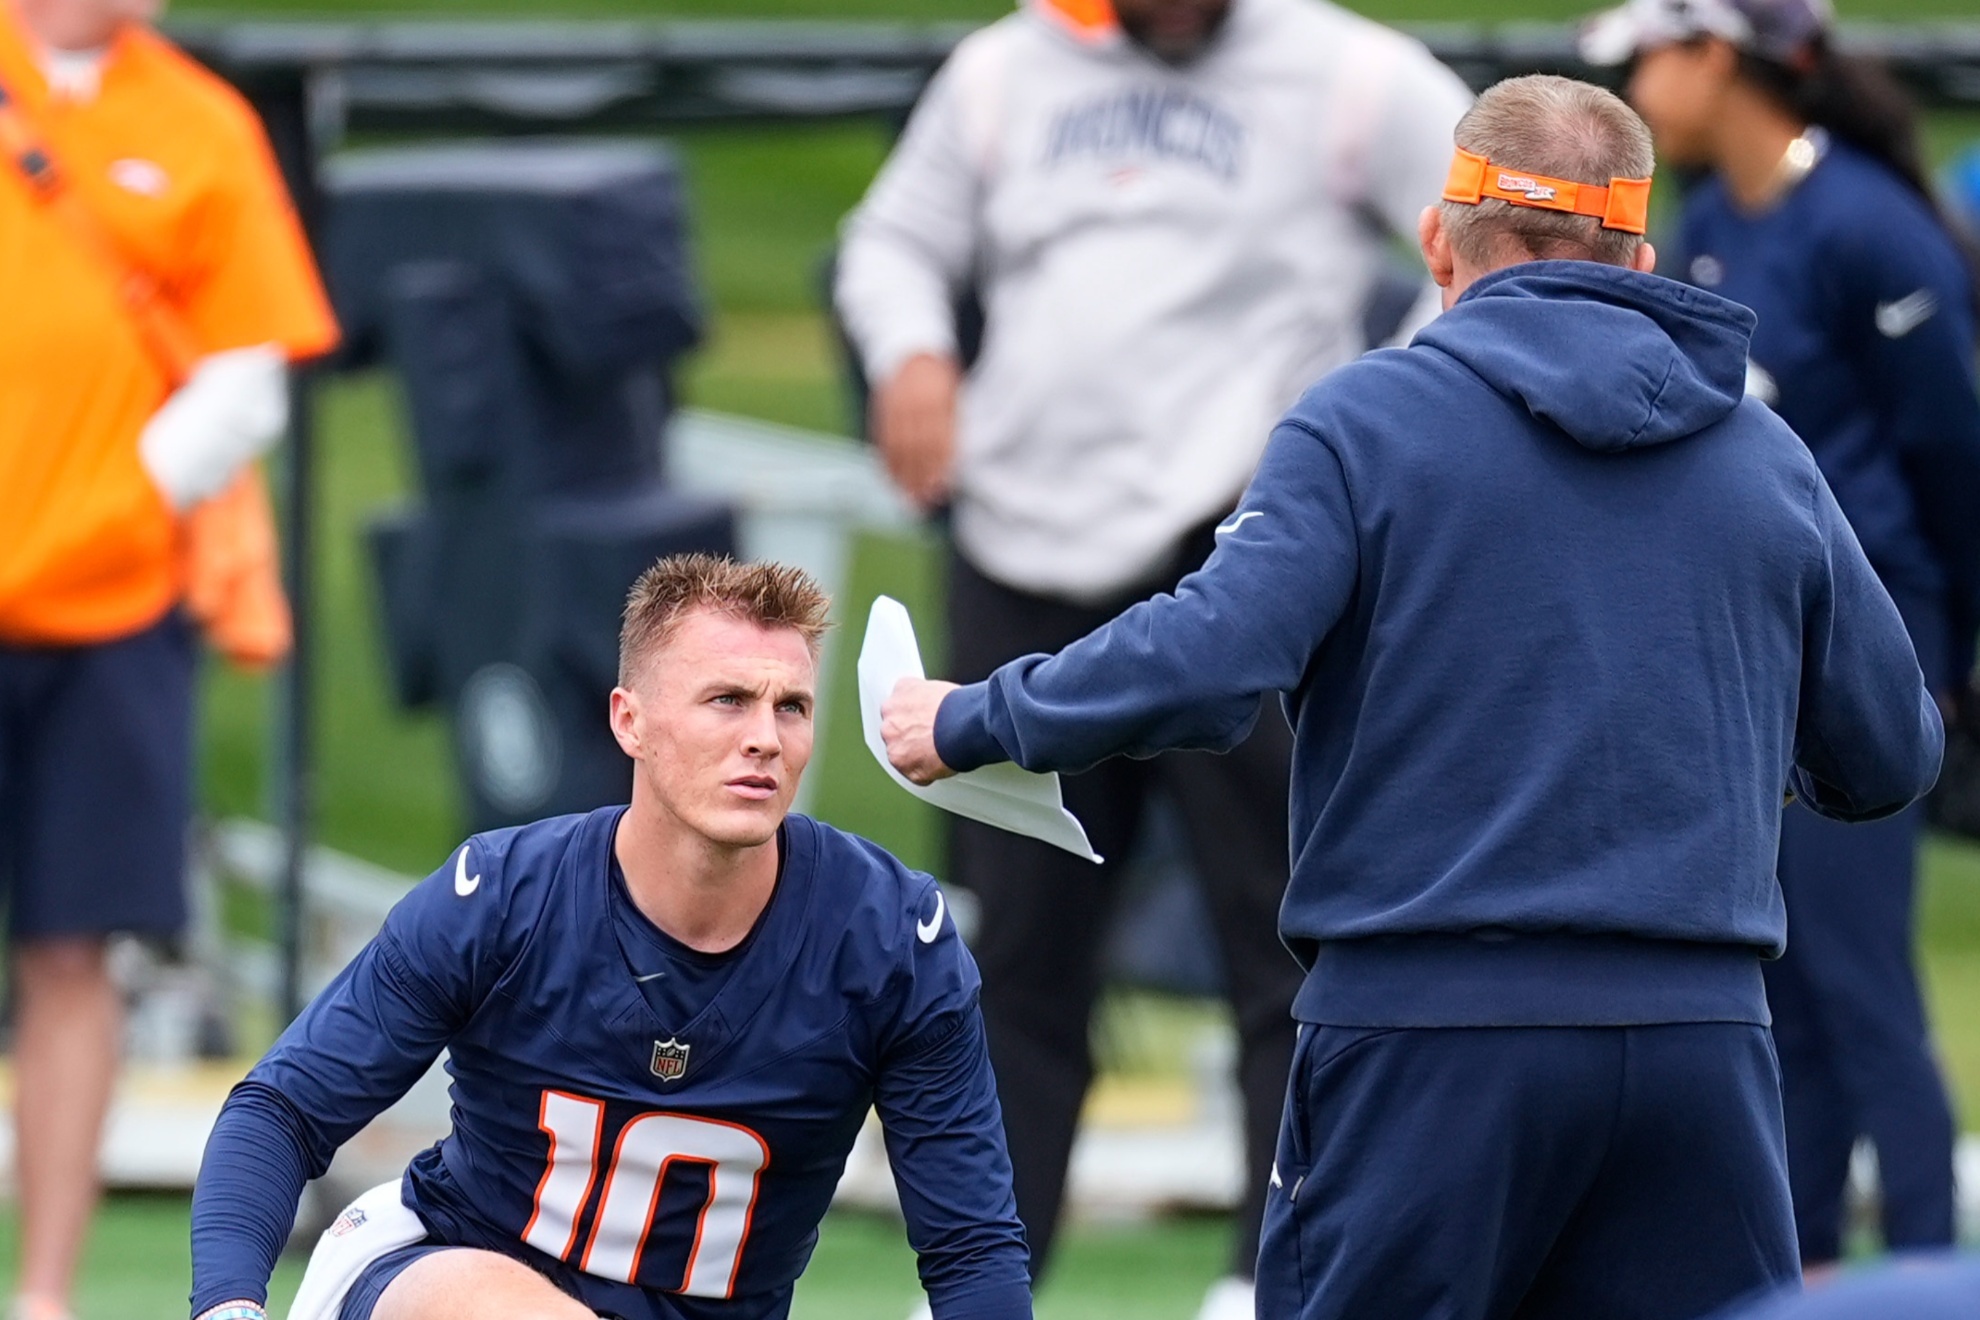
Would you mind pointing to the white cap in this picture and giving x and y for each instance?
(1774, 29)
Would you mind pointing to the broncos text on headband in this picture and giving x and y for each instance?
(1624, 204)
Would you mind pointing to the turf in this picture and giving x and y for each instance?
(136, 1268)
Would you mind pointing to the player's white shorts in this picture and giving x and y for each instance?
(371, 1226)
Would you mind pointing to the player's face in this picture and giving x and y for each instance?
(1175, 31)
(1678, 90)
(719, 727)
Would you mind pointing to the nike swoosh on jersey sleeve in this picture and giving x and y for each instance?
(927, 931)
(463, 886)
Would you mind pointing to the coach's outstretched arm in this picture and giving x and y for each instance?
(355, 1050)
(1868, 736)
(1186, 670)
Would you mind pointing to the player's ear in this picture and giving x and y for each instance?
(624, 718)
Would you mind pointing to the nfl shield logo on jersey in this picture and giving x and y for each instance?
(669, 1060)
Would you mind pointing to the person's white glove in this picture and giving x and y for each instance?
(230, 412)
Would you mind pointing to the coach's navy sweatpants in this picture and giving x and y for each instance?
(1543, 1173)
(1849, 1022)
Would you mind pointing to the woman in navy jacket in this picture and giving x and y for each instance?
(1815, 213)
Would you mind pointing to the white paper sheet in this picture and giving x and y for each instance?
(1003, 795)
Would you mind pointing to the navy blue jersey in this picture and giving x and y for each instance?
(1865, 347)
(668, 1156)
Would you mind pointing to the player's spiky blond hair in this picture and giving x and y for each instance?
(770, 595)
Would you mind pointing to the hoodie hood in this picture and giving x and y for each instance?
(1616, 358)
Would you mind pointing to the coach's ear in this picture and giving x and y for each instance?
(625, 721)
(1436, 244)
(1645, 260)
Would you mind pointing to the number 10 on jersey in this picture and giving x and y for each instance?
(647, 1146)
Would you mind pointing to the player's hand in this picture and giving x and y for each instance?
(914, 425)
(907, 723)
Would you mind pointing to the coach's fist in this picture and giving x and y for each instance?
(914, 425)
(907, 723)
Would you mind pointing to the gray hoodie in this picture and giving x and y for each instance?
(1167, 257)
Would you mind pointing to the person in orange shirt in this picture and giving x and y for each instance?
(107, 449)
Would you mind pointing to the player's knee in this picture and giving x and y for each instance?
(465, 1283)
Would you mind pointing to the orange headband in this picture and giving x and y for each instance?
(1624, 204)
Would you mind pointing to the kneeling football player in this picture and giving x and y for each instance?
(664, 1022)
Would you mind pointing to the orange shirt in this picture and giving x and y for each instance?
(174, 164)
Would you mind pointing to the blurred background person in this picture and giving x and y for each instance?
(1173, 212)
(156, 281)
(1815, 212)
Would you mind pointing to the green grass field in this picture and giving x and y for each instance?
(136, 1268)
(766, 203)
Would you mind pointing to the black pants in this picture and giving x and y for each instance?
(1044, 912)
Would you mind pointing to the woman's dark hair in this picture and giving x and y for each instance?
(1855, 99)
(1859, 102)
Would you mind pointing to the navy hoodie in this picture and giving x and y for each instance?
(1559, 617)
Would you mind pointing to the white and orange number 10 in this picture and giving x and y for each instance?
(648, 1145)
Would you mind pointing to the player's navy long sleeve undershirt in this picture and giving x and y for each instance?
(714, 1143)
(257, 1162)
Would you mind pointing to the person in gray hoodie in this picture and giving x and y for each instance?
(1174, 212)
(1560, 617)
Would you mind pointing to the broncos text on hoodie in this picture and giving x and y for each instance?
(1166, 257)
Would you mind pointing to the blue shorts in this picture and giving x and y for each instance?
(96, 783)
(376, 1277)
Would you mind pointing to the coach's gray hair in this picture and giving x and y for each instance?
(1541, 124)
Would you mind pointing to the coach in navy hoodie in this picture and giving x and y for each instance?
(1560, 618)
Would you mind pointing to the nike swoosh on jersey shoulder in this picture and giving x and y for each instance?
(510, 870)
(930, 929)
(464, 884)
